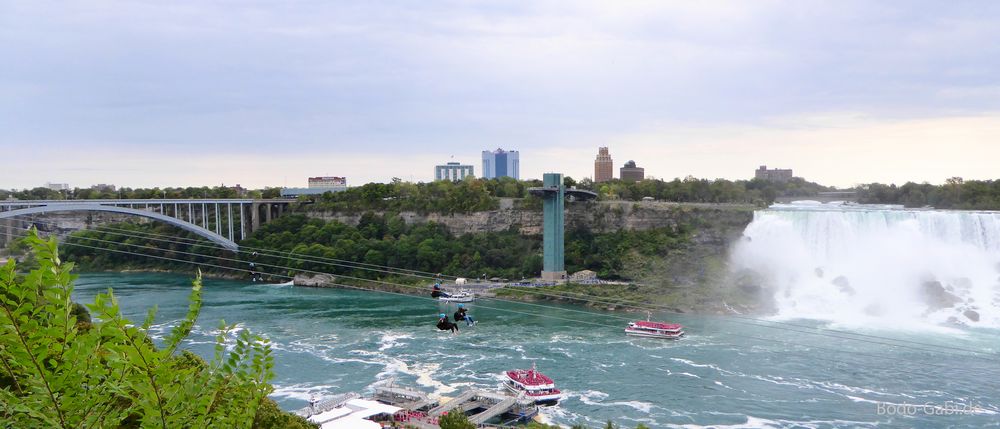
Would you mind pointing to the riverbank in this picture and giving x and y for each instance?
(629, 297)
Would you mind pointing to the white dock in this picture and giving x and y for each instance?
(494, 403)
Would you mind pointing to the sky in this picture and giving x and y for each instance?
(267, 93)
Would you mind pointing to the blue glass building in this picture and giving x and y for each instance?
(500, 163)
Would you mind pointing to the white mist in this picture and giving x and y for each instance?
(876, 265)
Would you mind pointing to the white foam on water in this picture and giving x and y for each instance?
(705, 365)
(594, 397)
(562, 351)
(721, 384)
(762, 423)
(548, 415)
(392, 339)
(303, 392)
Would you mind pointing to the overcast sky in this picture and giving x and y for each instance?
(178, 93)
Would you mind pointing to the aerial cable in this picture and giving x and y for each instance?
(759, 322)
(269, 252)
(530, 313)
(975, 353)
(212, 245)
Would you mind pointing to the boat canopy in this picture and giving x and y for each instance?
(658, 325)
(530, 378)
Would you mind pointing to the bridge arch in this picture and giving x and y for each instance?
(187, 226)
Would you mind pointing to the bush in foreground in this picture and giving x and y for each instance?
(61, 370)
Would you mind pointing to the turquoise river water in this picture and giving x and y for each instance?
(729, 372)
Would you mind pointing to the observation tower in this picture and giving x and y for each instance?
(553, 195)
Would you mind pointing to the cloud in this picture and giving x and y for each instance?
(836, 149)
(226, 82)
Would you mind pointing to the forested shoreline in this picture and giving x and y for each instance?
(472, 194)
(380, 240)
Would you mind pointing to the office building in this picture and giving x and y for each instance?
(604, 168)
(327, 182)
(57, 186)
(317, 186)
(773, 175)
(453, 171)
(631, 173)
(500, 163)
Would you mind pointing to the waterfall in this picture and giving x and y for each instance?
(884, 265)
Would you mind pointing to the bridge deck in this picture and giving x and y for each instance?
(22, 203)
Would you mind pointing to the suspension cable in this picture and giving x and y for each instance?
(931, 364)
(827, 332)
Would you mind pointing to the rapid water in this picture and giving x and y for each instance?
(876, 265)
(728, 373)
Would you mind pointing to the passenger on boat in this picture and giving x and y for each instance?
(461, 314)
(437, 292)
(445, 325)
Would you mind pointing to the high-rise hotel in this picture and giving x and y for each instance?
(453, 171)
(604, 168)
(500, 163)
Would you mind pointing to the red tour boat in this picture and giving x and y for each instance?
(645, 328)
(532, 384)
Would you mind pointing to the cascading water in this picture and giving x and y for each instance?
(881, 265)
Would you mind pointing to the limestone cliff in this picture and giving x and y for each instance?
(694, 277)
(716, 222)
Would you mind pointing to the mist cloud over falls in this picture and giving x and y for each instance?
(875, 265)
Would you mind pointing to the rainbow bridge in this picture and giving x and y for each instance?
(220, 220)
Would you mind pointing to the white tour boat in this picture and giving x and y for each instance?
(532, 384)
(458, 297)
(646, 328)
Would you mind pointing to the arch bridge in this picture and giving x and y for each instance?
(213, 219)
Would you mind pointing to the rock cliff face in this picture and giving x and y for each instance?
(61, 224)
(694, 277)
(721, 223)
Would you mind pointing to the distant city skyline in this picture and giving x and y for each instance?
(195, 93)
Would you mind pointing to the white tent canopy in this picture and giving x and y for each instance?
(350, 423)
(352, 415)
(330, 415)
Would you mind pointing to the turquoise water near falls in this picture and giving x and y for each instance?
(728, 373)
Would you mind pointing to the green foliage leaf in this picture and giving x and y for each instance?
(59, 368)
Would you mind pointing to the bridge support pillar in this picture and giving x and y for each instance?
(243, 222)
(229, 220)
(267, 217)
(8, 233)
(254, 217)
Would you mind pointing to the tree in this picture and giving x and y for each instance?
(455, 420)
(60, 372)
